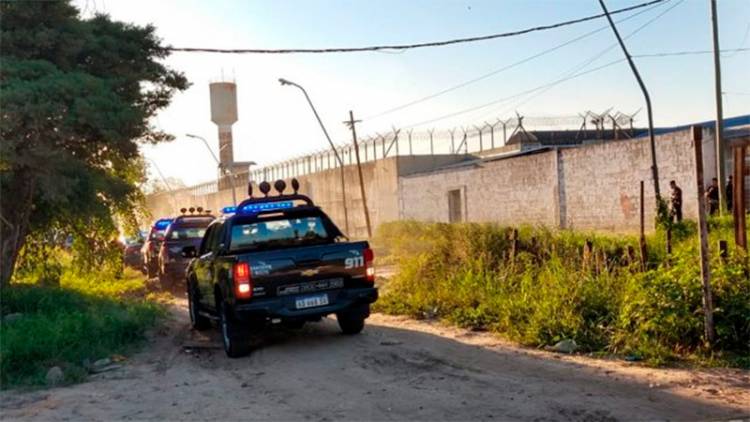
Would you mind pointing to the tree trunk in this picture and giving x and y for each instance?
(15, 210)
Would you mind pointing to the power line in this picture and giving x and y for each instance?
(406, 46)
(502, 69)
(520, 94)
(559, 81)
(556, 82)
(691, 53)
(570, 74)
(600, 54)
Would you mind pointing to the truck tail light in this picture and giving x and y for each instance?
(370, 265)
(243, 281)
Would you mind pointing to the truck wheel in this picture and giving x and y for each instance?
(197, 321)
(351, 323)
(234, 345)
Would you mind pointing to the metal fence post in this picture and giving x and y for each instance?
(432, 146)
(411, 151)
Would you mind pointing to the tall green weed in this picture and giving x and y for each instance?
(549, 289)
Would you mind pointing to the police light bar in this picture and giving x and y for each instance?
(163, 223)
(254, 208)
(229, 210)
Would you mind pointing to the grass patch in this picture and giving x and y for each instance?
(87, 317)
(547, 289)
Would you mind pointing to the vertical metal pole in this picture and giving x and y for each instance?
(719, 134)
(738, 198)
(395, 133)
(432, 148)
(333, 147)
(642, 237)
(654, 168)
(411, 151)
(351, 124)
(708, 312)
(479, 130)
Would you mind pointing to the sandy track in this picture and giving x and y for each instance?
(397, 369)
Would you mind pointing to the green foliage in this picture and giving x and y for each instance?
(77, 97)
(551, 290)
(87, 317)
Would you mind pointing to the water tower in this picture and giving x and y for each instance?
(224, 115)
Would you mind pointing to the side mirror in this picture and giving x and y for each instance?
(189, 252)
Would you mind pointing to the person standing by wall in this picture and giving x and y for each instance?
(712, 196)
(676, 206)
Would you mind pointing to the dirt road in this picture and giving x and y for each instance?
(397, 369)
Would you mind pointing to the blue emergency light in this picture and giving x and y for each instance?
(229, 210)
(266, 206)
(163, 223)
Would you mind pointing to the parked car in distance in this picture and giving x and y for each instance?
(277, 260)
(150, 249)
(185, 230)
(131, 250)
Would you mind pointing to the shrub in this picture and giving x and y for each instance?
(548, 289)
(87, 317)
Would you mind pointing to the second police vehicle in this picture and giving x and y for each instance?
(184, 230)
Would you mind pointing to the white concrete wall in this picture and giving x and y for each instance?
(589, 187)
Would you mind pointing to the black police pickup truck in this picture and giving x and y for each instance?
(277, 259)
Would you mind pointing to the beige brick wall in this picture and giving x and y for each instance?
(492, 191)
(589, 187)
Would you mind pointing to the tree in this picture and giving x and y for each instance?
(77, 96)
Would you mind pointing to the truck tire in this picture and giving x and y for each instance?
(235, 345)
(197, 321)
(351, 323)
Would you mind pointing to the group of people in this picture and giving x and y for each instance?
(711, 197)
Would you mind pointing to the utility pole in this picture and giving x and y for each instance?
(351, 122)
(708, 307)
(719, 135)
(654, 168)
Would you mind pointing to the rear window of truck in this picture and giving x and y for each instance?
(182, 233)
(278, 232)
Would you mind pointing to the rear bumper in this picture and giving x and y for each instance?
(285, 306)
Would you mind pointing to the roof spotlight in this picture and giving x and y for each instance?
(280, 185)
(295, 185)
(250, 189)
(207, 211)
(199, 209)
(183, 210)
(191, 209)
(264, 187)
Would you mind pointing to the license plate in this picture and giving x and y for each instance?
(312, 301)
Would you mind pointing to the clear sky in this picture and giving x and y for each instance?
(275, 122)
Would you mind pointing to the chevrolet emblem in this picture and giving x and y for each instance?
(311, 272)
